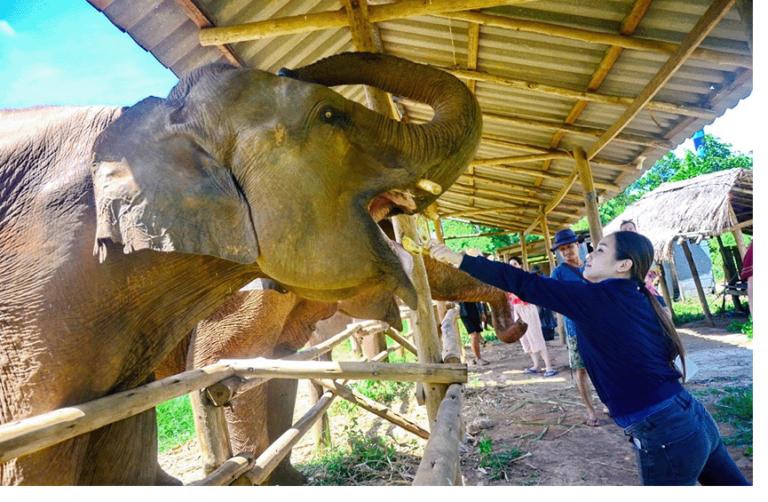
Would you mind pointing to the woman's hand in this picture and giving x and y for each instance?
(441, 252)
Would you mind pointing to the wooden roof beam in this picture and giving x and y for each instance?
(489, 140)
(338, 19)
(597, 37)
(706, 24)
(203, 19)
(589, 95)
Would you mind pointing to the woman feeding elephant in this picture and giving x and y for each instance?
(121, 229)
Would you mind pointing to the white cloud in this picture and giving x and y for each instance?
(6, 29)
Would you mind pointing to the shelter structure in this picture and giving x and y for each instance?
(578, 98)
(703, 207)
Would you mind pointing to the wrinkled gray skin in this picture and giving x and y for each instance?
(121, 229)
(267, 323)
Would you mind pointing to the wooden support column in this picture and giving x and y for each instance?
(737, 233)
(590, 196)
(212, 432)
(547, 238)
(424, 327)
(523, 251)
(665, 291)
(697, 282)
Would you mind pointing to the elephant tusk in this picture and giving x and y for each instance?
(429, 186)
(413, 248)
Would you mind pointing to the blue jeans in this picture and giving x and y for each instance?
(680, 445)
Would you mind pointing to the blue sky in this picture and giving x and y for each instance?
(65, 52)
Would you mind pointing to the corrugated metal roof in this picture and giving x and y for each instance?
(550, 75)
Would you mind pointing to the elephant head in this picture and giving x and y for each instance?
(209, 170)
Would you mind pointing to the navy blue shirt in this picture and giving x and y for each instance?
(621, 340)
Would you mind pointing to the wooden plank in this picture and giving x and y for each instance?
(697, 282)
(29, 435)
(401, 372)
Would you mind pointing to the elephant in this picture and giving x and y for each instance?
(271, 323)
(122, 228)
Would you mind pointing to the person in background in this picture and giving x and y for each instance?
(471, 318)
(546, 317)
(629, 226)
(628, 345)
(746, 275)
(533, 340)
(571, 269)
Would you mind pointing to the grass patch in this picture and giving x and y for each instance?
(496, 463)
(361, 460)
(741, 327)
(175, 423)
(735, 408)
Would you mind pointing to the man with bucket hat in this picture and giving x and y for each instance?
(571, 268)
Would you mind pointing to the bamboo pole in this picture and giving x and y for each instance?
(440, 463)
(400, 372)
(590, 196)
(337, 19)
(523, 251)
(665, 290)
(450, 338)
(737, 235)
(697, 282)
(377, 409)
(229, 471)
(589, 96)
(547, 238)
(29, 435)
(394, 335)
(598, 37)
(277, 451)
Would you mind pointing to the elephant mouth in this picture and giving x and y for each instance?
(391, 203)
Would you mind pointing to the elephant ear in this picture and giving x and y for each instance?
(162, 191)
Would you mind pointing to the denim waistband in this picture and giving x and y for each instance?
(627, 420)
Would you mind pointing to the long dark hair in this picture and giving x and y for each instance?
(637, 247)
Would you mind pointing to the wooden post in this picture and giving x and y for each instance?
(229, 471)
(547, 238)
(665, 290)
(737, 233)
(440, 463)
(697, 281)
(590, 196)
(212, 432)
(424, 326)
(523, 251)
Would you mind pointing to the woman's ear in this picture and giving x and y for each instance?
(160, 191)
(624, 266)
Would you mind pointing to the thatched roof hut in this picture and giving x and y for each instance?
(706, 206)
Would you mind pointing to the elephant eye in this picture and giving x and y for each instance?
(331, 115)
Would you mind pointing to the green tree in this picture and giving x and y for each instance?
(489, 244)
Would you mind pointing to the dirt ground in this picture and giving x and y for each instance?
(543, 418)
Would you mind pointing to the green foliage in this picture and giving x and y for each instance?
(712, 156)
(361, 459)
(496, 462)
(736, 409)
(742, 327)
(690, 309)
(175, 423)
(488, 244)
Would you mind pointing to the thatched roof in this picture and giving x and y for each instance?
(693, 207)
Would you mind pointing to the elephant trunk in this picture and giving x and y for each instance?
(438, 150)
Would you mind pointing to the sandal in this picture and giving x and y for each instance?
(529, 371)
(592, 422)
(550, 373)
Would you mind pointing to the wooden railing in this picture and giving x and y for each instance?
(216, 384)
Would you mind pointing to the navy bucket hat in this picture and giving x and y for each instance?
(566, 236)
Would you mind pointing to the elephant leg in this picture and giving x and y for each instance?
(58, 465)
(122, 453)
(281, 401)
